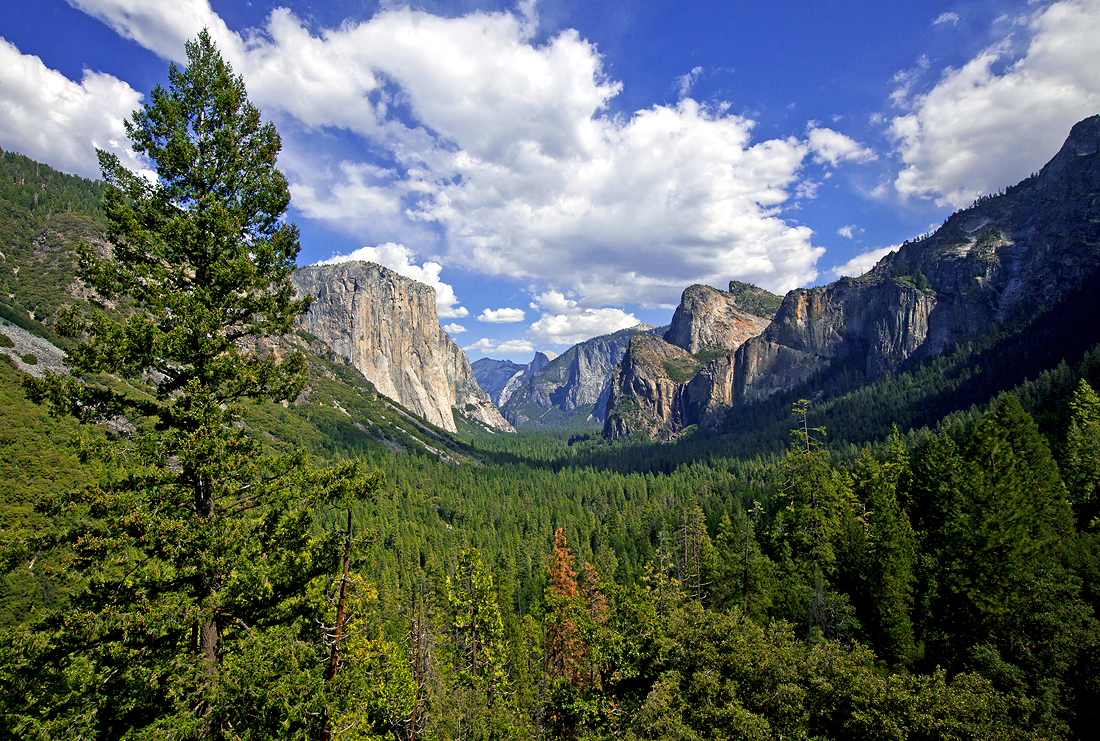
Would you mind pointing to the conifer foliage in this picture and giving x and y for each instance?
(1082, 454)
(198, 545)
(933, 584)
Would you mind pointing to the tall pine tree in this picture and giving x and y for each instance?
(993, 510)
(885, 559)
(1081, 455)
(198, 549)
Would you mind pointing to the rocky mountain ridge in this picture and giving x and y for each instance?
(666, 384)
(500, 378)
(1003, 260)
(387, 327)
(572, 388)
(711, 319)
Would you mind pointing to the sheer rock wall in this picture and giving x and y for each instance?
(387, 327)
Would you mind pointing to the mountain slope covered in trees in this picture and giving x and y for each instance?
(1013, 275)
(811, 575)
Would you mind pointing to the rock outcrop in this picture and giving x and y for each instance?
(494, 376)
(711, 319)
(647, 389)
(663, 386)
(1005, 258)
(876, 324)
(22, 346)
(573, 387)
(387, 327)
(754, 300)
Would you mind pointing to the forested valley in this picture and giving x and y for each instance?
(203, 542)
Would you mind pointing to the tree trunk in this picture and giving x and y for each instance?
(334, 660)
(209, 637)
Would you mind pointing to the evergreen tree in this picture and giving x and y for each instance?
(697, 558)
(817, 496)
(197, 551)
(745, 574)
(887, 557)
(999, 508)
(1081, 457)
(817, 501)
(474, 622)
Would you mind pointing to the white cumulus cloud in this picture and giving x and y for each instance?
(508, 347)
(501, 316)
(564, 322)
(400, 259)
(945, 18)
(1000, 117)
(505, 148)
(453, 328)
(862, 262)
(831, 147)
(848, 230)
(50, 118)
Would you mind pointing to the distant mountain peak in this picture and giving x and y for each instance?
(1005, 260)
(571, 389)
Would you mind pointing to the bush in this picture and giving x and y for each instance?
(30, 359)
(6, 341)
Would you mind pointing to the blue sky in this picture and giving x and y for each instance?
(559, 170)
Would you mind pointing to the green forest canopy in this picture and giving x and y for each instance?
(843, 580)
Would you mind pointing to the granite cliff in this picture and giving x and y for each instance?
(500, 378)
(1005, 259)
(646, 393)
(387, 327)
(711, 319)
(571, 389)
(664, 385)
(875, 324)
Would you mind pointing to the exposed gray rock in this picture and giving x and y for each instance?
(47, 356)
(387, 327)
(500, 378)
(710, 319)
(880, 323)
(647, 390)
(572, 387)
(541, 360)
(493, 376)
(708, 395)
(1004, 258)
